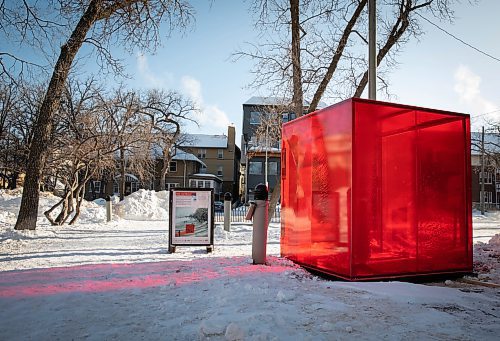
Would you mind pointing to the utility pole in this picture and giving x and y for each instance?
(372, 49)
(482, 196)
(267, 147)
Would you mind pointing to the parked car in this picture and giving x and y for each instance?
(219, 206)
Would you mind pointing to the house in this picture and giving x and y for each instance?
(203, 161)
(261, 159)
(491, 193)
(221, 162)
(182, 166)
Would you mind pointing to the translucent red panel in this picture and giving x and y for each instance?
(377, 190)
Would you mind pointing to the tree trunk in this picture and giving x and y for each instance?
(13, 180)
(42, 131)
(298, 102)
(49, 211)
(336, 57)
(122, 174)
(80, 193)
(275, 197)
(393, 38)
(297, 70)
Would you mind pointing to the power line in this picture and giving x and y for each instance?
(476, 117)
(486, 113)
(456, 38)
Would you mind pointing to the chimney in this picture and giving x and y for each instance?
(231, 136)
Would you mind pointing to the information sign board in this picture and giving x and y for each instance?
(191, 217)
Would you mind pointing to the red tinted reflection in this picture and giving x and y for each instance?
(373, 190)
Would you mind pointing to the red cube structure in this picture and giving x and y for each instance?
(376, 190)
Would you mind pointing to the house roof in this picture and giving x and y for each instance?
(205, 141)
(258, 100)
(206, 176)
(181, 155)
(262, 149)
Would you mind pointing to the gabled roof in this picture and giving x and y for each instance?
(205, 141)
(181, 155)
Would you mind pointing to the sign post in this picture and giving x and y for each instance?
(191, 218)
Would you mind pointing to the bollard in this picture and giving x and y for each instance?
(260, 222)
(227, 211)
(108, 208)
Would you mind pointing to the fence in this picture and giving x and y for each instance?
(238, 215)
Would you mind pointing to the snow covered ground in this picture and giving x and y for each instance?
(106, 281)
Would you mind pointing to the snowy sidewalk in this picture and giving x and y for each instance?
(106, 281)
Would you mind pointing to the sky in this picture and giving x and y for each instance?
(435, 71)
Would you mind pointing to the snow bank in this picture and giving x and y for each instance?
(487, 260)
(143, 205)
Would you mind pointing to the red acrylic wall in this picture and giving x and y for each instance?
(377, 190)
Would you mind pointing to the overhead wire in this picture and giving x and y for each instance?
(459, 39)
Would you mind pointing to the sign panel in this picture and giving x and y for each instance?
(191, 216)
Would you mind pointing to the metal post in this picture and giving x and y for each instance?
(245, 138)
(260, 224)
(108, 208)
(227, 211)
(372, 50)
(482, 194)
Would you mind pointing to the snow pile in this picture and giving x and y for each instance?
(143, 205)
(487, 260)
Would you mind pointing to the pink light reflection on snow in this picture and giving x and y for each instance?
(95, 278)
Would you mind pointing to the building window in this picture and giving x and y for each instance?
(208, 184)
(134, 186)
(488, 177)
(200, 183)
(273, 168)
(488, 196)
(97, 187)
(172, 166)
(170, 185)
(292, 116)
(255, 117)
(255, 168)
(192, 183)
(202, 153)
(220, 153)
(284, 117)
(219, 170)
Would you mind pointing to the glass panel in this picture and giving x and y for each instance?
(378, 190)
(316, 190)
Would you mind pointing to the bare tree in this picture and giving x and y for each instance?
(167, 111)
(333, 47)
(8, 98)
(131, 23)
(311, 47)
(131, 132)
(20, 104)
(80, 148)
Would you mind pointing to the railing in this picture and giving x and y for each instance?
(238, 215)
